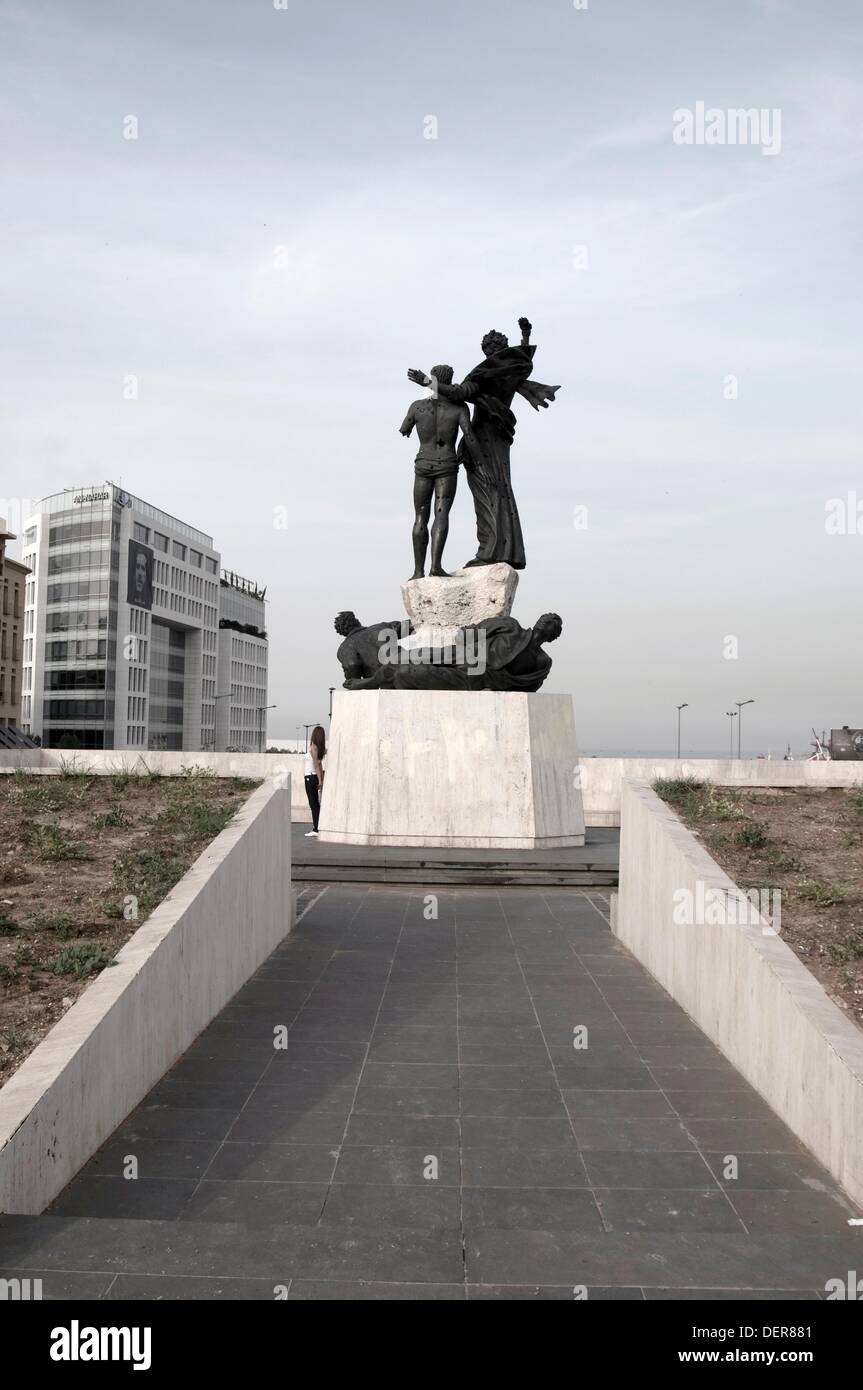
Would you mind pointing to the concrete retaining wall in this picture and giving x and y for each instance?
(748, 991)
(102, 763)
(601, 778)
(220, 922)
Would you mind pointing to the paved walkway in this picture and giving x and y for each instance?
(432, 1132)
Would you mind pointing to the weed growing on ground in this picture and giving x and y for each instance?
(81, 959)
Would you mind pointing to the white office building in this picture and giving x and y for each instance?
(241, 712)
(122, 627)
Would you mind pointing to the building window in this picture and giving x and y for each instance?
(30, 535)
(80, 529)
(141, 533)
(160, 542)
(178, 550)
(212, 567)
(196, 558)
(78, 678)
(77, 560)
(75, 709)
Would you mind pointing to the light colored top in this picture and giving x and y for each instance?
(310, 767)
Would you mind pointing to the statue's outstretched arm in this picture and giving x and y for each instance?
(456, 394)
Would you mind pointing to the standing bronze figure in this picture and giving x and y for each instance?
(491, 387)
(437, 423)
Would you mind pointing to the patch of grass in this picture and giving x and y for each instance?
(82, 959)
(723, 804)
(752, 835)
(74, 767)
(60, 923)
(676, 790)
(7, 972)
(26, 956)
(116, 818)
(120, 781)
(148, 874)
(13, 1039)
(696, 800)
(845, 946)
(715, 840)
(781, 862)
(809, 890)
(50, 842)
(8, 927)
(193, 818)
(208, 820)
(34, 792)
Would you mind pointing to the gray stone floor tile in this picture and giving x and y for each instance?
(529, 1208)
(358, 1290)
(150, 1199)
(264, 1204)
(270, 1162)
(630, 1209)
(392, 1163)
(430, 1207)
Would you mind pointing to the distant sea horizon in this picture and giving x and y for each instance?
(591, 752)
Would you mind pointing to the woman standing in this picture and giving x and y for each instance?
(314, 774)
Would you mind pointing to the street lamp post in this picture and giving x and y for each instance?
(332, 692)
(307, 727)
(685, 705)
(260, 717)
(732, 714)
(740, 704)
(225, 695)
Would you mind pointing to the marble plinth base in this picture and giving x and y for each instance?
(456, 769)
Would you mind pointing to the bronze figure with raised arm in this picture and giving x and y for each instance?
(491, 387)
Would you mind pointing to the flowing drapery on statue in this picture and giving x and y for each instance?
(490, 388)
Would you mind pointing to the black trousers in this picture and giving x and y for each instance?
(314, 799)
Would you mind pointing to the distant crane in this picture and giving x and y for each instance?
(822, 748)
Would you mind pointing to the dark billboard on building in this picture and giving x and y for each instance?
(140, 584)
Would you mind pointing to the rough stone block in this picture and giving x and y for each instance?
(467, 596)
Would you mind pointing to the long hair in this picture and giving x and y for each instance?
(319, 740)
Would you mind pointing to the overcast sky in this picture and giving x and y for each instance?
(283, 240)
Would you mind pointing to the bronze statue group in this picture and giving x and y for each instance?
(500, 654)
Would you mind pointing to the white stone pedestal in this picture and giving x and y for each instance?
(453, 769)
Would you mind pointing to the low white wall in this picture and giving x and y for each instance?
(746, 990)
(603, 778)
(103, 762)
(220, 922)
